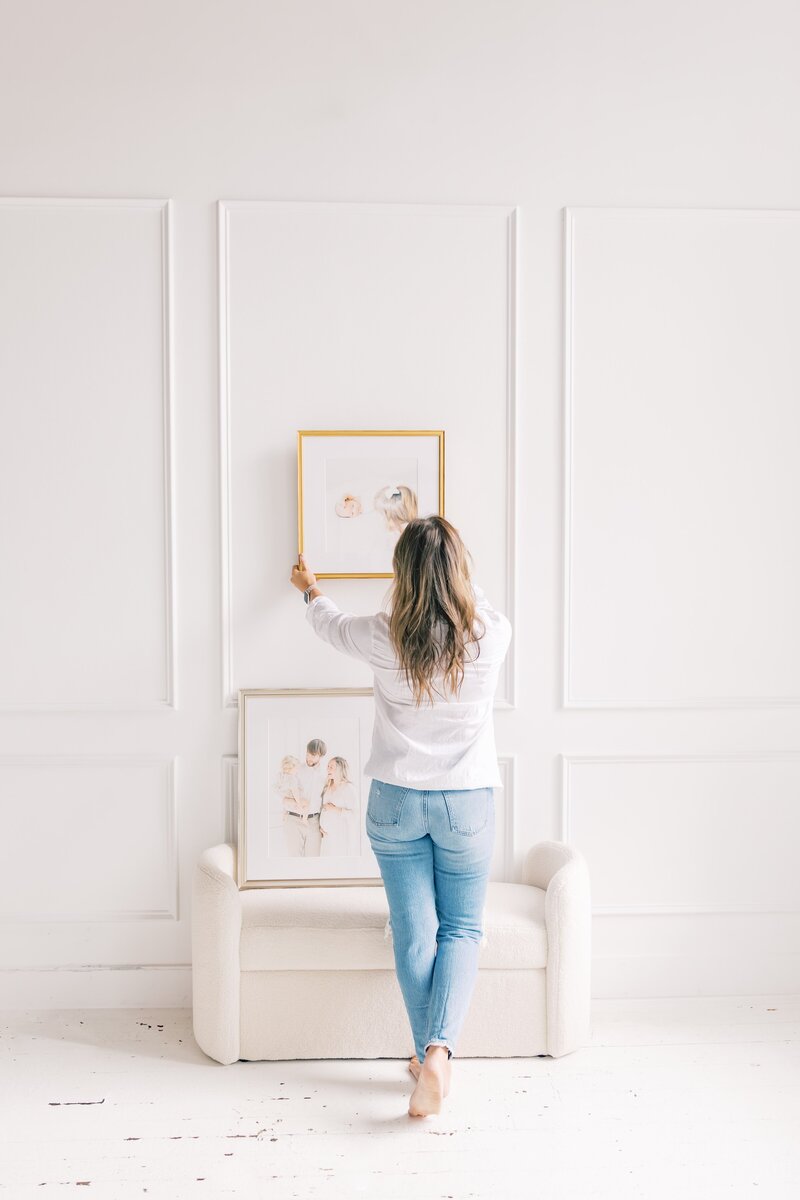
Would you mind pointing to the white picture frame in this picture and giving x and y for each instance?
(276, 847)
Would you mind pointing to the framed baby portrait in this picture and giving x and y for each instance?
(302, 790)
(356, 492)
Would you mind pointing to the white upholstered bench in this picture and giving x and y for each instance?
(306, 972)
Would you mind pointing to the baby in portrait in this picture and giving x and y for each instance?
(397, 503)
(287, 785)
(349, 506)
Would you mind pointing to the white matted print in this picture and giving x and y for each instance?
(356, 492)
(302, 790)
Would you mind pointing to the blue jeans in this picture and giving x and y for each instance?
(434, 849)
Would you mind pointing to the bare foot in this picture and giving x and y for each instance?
(414, 1067)
(426, 1099)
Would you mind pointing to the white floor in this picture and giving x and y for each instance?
(673, 1098)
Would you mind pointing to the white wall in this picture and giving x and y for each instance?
(635, 285)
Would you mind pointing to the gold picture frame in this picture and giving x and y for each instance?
(437, 434)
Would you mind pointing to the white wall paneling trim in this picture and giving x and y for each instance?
(505, 809)
(753, 872)
(171, 699)
(505, 846)
(229, 698)
(226, 210)
(512, 469)
(163, 828)
(635, 274)
(230, 797)
(165, 286)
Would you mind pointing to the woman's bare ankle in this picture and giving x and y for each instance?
(436, 1056)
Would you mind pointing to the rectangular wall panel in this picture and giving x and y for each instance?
(357, 316)
(94, 839)
(85, 480)
(686, 834)
(682, 580)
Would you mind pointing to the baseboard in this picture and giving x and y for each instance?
(613, 976)
(644, 976)
(128, 986)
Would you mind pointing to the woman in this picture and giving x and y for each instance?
(435, 657)
(339, 802)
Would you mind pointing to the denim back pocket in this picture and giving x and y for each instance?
(468, 809)
(385, 803)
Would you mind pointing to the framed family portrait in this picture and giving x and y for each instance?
(356, 492)
(302, 789)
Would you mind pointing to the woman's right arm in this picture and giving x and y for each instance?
(344, 631)
(493, 618)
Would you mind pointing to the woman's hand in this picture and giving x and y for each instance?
(302, 577)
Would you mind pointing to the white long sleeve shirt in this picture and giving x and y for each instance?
(449, 744)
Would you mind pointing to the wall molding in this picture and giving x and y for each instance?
(508, 769)
(509, 701)
(569, 701)
(164, 206)
(229, 696)
(229, 817)
(171, 913)
(568, 761)
(224, 210)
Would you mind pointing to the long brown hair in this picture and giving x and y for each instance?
(433, 613)
(342, 765)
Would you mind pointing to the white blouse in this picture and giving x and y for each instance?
(449, 744)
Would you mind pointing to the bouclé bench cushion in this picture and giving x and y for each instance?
(342, 928)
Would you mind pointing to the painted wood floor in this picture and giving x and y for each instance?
(695, 1098)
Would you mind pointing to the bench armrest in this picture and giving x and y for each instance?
(561, 871)
(216, 931)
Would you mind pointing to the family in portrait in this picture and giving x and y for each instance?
(319, 802)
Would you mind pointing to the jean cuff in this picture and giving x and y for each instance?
(440, 1042)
